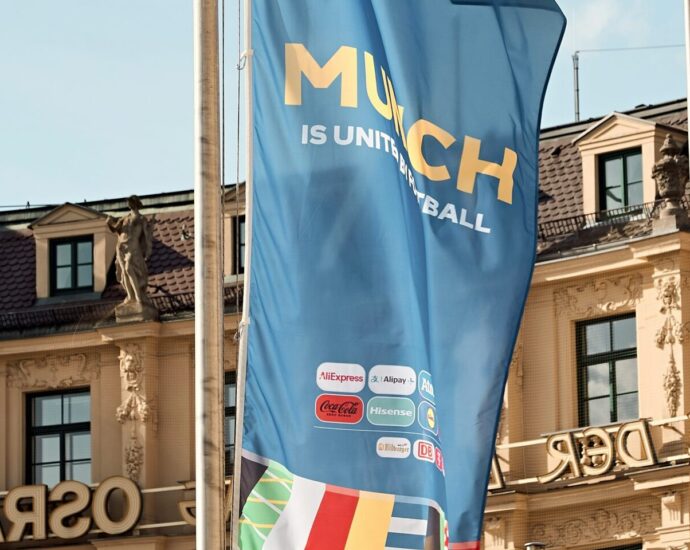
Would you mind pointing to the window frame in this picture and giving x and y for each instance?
(238, 245)
(56, 429)
(610, 357)
(229, 379)
(74, 265)
(601, 162)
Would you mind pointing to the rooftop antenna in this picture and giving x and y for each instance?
(576, 61)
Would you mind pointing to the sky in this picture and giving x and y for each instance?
(96, 96)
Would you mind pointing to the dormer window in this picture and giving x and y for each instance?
(618, 154)
(71, 265)
(620, 179)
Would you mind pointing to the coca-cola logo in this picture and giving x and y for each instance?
(344, 409)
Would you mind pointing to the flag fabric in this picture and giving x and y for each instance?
(393, 237)
(286, 511)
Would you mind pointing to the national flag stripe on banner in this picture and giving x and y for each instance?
(294, 524)
(333, 520)
(393, 238)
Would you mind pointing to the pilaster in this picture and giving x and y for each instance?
(663, 347)
(137, 412)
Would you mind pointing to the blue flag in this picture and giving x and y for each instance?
(395, 198)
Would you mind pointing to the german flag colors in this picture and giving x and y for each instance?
(286, 511)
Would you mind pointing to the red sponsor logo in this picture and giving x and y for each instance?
(344, 409)
(423, 450)
(439, 460)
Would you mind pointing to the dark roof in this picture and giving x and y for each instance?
(563, 229)
(17, 270)
(560, 165)
(171, 279)
(171, 266)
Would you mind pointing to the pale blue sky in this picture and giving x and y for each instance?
(96, 95)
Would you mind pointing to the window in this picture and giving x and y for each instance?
(620, 179)
(230, 403)
(238, 244)
(71, 265)
(607, 370)
(59, 437)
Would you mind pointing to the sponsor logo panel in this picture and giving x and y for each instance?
(341, 409)
(426, 386)
(424, 450)
(392, 380)
(393, 447)
(391, 411)
(427, 417)
(341, 377)
(439, 460)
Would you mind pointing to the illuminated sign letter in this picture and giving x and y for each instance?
(641, 428)
(562, 447)
(132, 506)
(20, 519)
(496, 480)
(64, 519)
(299, 61)
(471, 165)
(418, 131)
(597, 452)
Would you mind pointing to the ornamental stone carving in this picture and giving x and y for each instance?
(670, 174)
(670, 332)
(495, 532)
(672, 387)
(135, 407)
(599, 297)
(134, 458)
(53, 371)
(600, 525)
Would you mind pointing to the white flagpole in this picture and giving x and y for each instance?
(208, 284)
(687, 51)
(244, 323)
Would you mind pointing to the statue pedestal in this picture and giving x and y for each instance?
(130, 312)
(670, 221)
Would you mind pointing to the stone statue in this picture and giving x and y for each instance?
(134, 246)
(671, 174)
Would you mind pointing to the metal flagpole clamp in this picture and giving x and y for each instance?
(241, 327)
(242, 62)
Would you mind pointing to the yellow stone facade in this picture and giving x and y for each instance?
(626, 488)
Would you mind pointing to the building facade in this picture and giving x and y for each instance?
(592, 446)
(592, 449)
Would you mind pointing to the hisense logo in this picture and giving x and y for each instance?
(390, 411)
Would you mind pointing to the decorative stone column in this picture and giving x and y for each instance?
(137, 412)
(663, 343)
